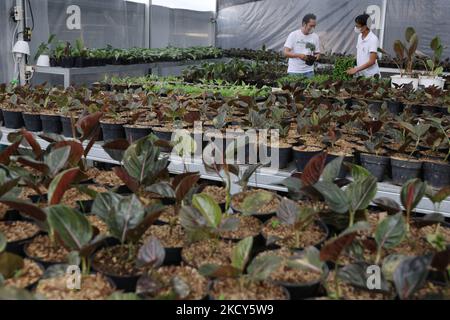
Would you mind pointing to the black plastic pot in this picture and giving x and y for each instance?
(302, 291)
(284, 156)
(32, 122)
(67, 62)
(112, 131)
(85, 206)
(13, 119)
(173, 256)
(377, 165)
(414, 108)
(134, 134)
(163, 135)
(51, 123)
(395, 107)
(303, 157)
(38, 198)
(17, 247)
(437, 174)
(66, 123)
(405, 170)
(127, 284)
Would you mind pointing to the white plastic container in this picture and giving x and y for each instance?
(402, 80)
(430, 81)
(43, 61)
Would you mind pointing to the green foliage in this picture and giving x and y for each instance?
(341, 66)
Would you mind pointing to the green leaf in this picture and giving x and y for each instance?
(151, 254)
(361, 193)
(412, 193)
(391, 206)
(390, 264)
(359, 173)
(72, 227)
(163, 189)
(391, 231)
(10, 264)
(3, 242)
(262, 267)
(356, 275)
(288, 211)
(335, 198)
(308, 260)
(332, 170)
(411, 274)
(440, 196)
(57, 159)
(241, 253)
(256, 200)
(123, 296)
(209, 209)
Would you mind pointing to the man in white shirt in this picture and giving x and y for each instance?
(302, 47)
(367, 50)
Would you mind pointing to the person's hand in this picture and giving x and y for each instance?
(301, 56)
(352, 71)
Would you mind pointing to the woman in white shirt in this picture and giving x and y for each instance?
(367, 50)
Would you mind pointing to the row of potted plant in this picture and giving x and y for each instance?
(146, 235)
(398, 145)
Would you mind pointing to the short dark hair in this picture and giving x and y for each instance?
(362, 19)
(308, 18)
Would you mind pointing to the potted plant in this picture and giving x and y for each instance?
(234, 284)
(432, 78)
(42, 56)
(167, 282)
(406, 56)
(16, 271)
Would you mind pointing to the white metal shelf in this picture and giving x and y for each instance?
(264, 178)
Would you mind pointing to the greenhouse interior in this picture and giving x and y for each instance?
(224, 150)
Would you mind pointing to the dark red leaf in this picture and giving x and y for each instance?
(76, 151)
(186, 185)
(333, 249)
(63, 185)
(29, 137)
(129, 181)
(89, 124)
(26, 208)
(5, 156)
(314, 169)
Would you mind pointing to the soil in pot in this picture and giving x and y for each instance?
(13, 119)
(32, 122)
(172, 238)
(301, 284)
(436, 173)
(73, 196)
(262, 204)
(168, 216)
(94, 287)
(208, 252)
(17, 233)
(198, 284)
(432, 291)
(51, 123)
(68, 127)
(108, 178)
(98, 223)
(119, 264)
(217, 193)
(303, 154)
(314, 235)
(136, 132)
(112, 130)
(412, 247)
(231, 289)
(42, 250)
(27, 276)
(378, 166)
(248, 227)
(404, 170)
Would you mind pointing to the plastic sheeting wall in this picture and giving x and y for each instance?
(180, 28)
(6, 27)
(253, 24)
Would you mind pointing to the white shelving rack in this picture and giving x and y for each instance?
(264, 178)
